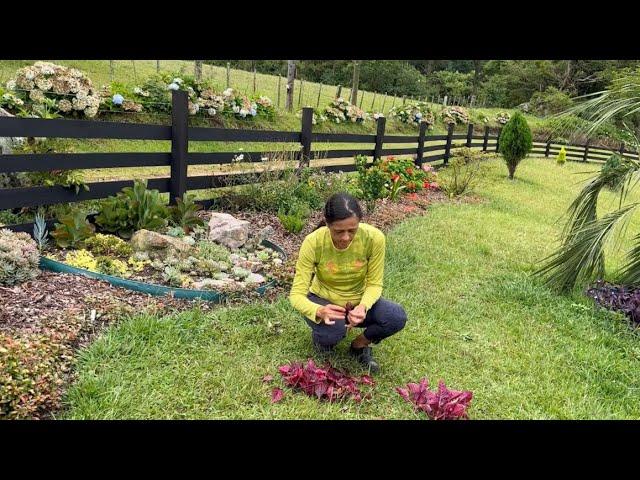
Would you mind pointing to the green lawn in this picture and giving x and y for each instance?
(476, 319)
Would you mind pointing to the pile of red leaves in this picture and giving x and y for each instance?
(444, 404)
(325, 383)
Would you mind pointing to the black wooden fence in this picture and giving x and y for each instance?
(428, 148)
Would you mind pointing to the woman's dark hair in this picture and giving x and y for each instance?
(340, 206)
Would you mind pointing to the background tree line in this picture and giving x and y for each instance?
(503, 83)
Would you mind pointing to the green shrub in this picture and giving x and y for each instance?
(615, 170)
(73, 230)
(294, 217)
(31, 370)
(19, 257)
(112, 266)
(515, 142)
(134, 208)
(212, 251)
(101, 244)
(550, 101)
(562, 156)
(372, 181)
(82, 259)
(184, 213)
(461, 175)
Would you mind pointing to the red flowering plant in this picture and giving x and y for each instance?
(443, 404)
(404, 174)
(324, 383)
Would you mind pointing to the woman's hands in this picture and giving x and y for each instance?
(328, 314)
(356, 315)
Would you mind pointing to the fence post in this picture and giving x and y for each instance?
(373, 101)
(421, 135)
(319, 92)
(305, 136)
(444, 103)
(469, 135)
(384, 99)
(447, 148)
(179, 145)
(498, 140)
(586, 151)
(547, 148)
(228, 74)
(377, 153)
(338, 91)
(486, 138)
(621, 148)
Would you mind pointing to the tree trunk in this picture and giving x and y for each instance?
(567, 75)
(291, 76)
(198, 70)
(355, 81)
(476, 78)
(111, 70)
(157, 66)
(430, 65)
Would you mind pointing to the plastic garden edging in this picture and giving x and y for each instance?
(151, 288)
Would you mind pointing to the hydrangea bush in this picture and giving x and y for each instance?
(64, 90)
(340, 111)
(454, 115)
(415, 113)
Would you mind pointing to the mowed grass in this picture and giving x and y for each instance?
(477, 320)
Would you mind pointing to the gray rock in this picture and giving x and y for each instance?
(227, 230)
(211, 284)
(255, 278)
(159, 245)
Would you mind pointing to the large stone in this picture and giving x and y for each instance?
(212, 284)
(255, 278)
(159, 245)
(227, 230)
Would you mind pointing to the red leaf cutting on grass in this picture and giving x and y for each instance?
(444, 404)
(276, 395)
(324, 383)
(267, 378)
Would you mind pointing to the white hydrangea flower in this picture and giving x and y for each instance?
(177, 80)
(212, 111)
(173, 86)
(11, 85)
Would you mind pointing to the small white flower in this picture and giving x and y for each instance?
(228, 92)
(173, 86)
(11, 85)
(211, 111)
(177, 80)
(236, 109)
(241, 157)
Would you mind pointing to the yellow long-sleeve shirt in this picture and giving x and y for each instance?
(339, 276)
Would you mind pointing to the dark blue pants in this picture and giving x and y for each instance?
(383, 320)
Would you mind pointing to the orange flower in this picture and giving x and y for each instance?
(395, 177)
(409, 171)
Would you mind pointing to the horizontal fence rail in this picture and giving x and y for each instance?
(423, 147)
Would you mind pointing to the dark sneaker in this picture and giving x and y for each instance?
(364, 356)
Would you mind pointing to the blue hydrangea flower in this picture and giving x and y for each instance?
(253, 112)
(117, 99)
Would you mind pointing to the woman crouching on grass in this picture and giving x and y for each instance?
(341, 265)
